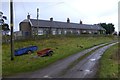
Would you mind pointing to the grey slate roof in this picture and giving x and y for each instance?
(58, 24)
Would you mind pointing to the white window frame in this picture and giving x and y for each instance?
(84, 31)
(90, 32)
(40, 32)
(65, 32)
(59, 32)
(78, 31)
(54, 32)
(71, 31)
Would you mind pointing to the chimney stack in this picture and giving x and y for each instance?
(28, 16)
(51, 19)
(68, 20)
(81, 22)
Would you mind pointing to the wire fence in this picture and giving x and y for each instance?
(6, 38)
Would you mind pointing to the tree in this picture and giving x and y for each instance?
(3, 26)
(2, 18)
(111, 28)
(108, 27)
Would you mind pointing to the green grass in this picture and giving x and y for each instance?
(62, 47)
(0, 55)
(109, 63)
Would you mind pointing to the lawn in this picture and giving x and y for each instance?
(62, 47)
(0, 61)
(109, 63)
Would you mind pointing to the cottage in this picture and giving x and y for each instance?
(31, 27)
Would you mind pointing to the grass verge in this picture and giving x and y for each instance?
(109, 63)
(80, 58)
(62, 46)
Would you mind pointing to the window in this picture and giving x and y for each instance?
(59, 32)
(71, 31)
(84, 31)
(90, 32)
(40, 32)
(78, 32)
(65, 32)
(53, 32)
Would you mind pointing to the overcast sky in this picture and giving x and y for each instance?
(89, 11)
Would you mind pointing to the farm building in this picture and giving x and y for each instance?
(31, 27)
